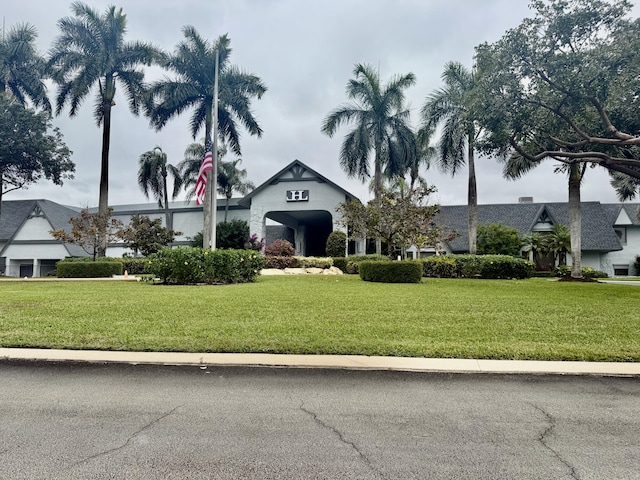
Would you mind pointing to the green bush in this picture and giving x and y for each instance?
(564, 271)
(407, 271)
(191, 265)
(505, 266)
(232, 234)
(336, 244)
(315, 262)
(340, 262)
(280, 248)
(135, 266)
(72, 268)
(498, 239)
(636, 265)
(440, 266)
(277, 261)
(353, 261)
(477, 266)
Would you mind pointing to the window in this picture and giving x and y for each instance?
(622, 234)
(621, 270)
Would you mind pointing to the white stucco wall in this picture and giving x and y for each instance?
(35, 228)
(322, 197)
(626, 256)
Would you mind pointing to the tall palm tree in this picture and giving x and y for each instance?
(90, 54)
(22, 69)
(152, 178)
(194, 66)
(232, 179)
(381, 126)
(451, 107)
(516, 166)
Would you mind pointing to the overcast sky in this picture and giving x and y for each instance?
(305, 52)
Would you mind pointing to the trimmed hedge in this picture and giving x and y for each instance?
(477, 266)
(88, 269)
(391, 272)
(341, 263)
(351, 263)
(135, 266)
(315, 262)
(191, 265)
(280, 262)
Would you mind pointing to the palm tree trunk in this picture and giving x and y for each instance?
(226, 208)
(472, 200)
(575, 220)
(103, 202)
(377, 190)
(169, 220)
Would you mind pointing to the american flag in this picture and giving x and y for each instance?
(205, 166)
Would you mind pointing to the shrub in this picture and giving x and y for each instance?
(564, 271)
(135, 266)
(636, 265)
(277, 261)
(440, 266)
(336, 244)
(505, 266)
(232, 265)
(232, 234)
(253, 243)
(407, 271)
(72, 268)
(340, 262)
(477, 266)
(498, 239)
(315, 262)
(352, 262)
(280, 248)
(190, 265)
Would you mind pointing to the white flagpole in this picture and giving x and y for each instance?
(214, 172)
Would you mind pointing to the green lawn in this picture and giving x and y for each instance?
(531, 319)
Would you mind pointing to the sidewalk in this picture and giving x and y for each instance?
(348, 362)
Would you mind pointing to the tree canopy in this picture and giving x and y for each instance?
(563, 85)
(30, 148)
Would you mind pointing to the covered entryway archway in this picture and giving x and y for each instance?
(311, 229)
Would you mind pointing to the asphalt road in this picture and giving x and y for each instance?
(84, 421)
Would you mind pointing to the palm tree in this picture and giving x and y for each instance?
(381, 126)
(451, 107)
(194, 64)
(22, 69)
(559, 242)
(232, 179)
(516, 166)
(189, 167)
(91, 52)
(152, 178)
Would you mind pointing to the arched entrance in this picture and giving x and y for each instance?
(311, 229)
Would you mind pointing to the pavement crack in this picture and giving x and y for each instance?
(341, 437)
(129, 440)
(544, 436)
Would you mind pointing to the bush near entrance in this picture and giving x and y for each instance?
(336, 244)
(191, 265)
(408, 271)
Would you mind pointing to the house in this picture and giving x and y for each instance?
(610, 232)
(299, 204)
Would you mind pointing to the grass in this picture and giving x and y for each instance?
(532, 319)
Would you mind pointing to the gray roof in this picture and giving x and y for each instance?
(16, 212)
(597, 221)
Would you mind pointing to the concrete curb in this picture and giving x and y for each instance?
(348, 362)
